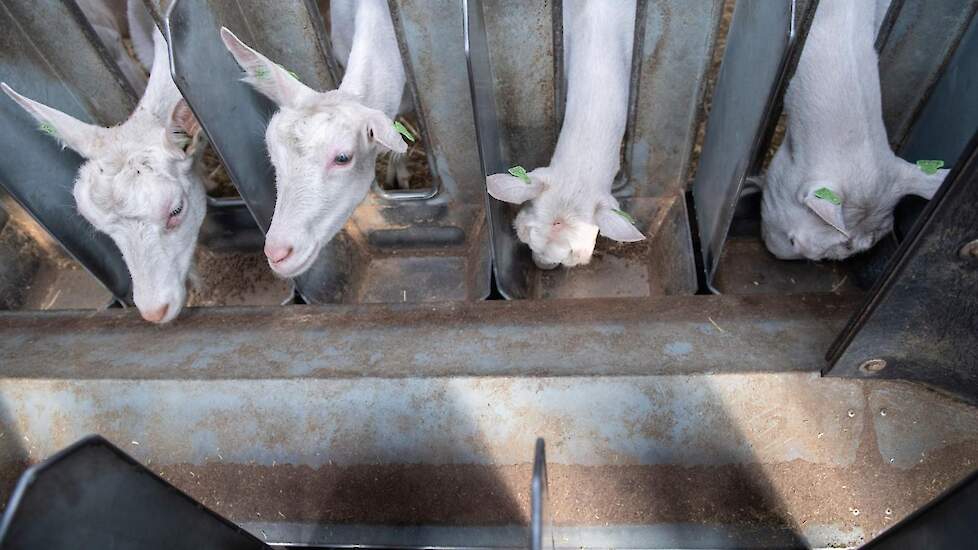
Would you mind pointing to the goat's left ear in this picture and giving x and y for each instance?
(183, 130)
(265, 76)
(912, 180)
(380, 130)
(617, 225)
(86, 139)
(825, 201)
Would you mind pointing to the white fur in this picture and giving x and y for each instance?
(570, 200)
(315, 194)
(133, 177)
(836, 139)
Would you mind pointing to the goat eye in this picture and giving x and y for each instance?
(791, 241)
(174, 218)
(342, 158)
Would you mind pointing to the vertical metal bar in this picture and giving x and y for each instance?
(62, 65)
(673, 43)
(509, 132)
(763, 46)
(431, 41)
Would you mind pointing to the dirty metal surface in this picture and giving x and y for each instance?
(921, 318)
(663, 335)
(914, 56)
(66, 67)
(673, 46)
(781, 458)
(746, 267)
(763, 41)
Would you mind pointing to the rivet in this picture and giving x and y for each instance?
(873, 366)
(969, 251)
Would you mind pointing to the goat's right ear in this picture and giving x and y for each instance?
(86, 139)
(380, 128)
(513, 190)
(267, 77)
(183, 130)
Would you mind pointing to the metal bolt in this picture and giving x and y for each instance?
(882, 412)
(851, 413)
(873, 366)
(969, 251)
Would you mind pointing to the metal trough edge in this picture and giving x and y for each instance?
(593, 337)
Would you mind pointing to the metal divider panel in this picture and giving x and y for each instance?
(913, 51)
(430, 35)
(950, 115)
(673, 46)
(763, 43)
(235, 116)
(93, 495)
(921, 317)
(541, 518)
(512, 67)
(432, 43)
(51, 55)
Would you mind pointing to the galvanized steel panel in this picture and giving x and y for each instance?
(763, 39)
(674, 44)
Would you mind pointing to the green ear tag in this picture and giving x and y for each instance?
(401, 129)
(48, 129)
(261, 73)
(292, 74)
(520, 172)
(628, 217)
(930, 167)
(827, 194)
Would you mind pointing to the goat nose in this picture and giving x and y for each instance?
(277, 254)
(155, 315)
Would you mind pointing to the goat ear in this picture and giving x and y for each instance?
(617, 225)
(825, 201)
(86, 139)
(380, 129)
(513, 190)
(267, 77)
(183, 130)
(912, 180)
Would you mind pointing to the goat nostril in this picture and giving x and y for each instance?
(278, 254)
(155, 315)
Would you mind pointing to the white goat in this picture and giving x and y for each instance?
(324, 144)
(138, 185)
(571, 198)
(832, 185)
